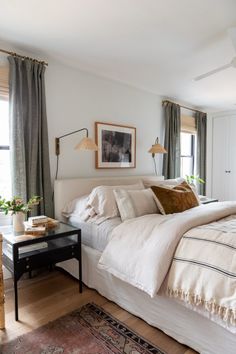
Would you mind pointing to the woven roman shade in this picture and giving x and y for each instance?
(4, 82)
(188, 124)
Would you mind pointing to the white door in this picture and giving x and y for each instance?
(232, 159)
(220, 164)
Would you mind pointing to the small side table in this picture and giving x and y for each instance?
(59, 246)
(206, 200)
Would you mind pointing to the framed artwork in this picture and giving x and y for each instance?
(116, 146)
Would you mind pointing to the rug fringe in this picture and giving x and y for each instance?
(227, 314)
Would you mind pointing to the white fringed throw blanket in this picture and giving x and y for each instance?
(203, 271)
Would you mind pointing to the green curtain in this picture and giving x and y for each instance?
(171, 160)
(201, 126)
(29, 133)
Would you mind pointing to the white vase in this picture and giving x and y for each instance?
(18, 222)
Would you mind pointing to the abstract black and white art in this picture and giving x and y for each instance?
(116, 146)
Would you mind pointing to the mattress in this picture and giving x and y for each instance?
(93, 235)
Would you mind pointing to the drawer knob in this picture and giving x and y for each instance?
(27, 267)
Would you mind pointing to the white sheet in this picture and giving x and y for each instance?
(181, 323)
(93, 235)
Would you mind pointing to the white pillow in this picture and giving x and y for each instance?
(103, 203)
(76, 206)
(167, 182)
(134, 203)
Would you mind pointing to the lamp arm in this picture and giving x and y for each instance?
(76, 131)
(57, 140)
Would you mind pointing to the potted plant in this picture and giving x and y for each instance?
(18, 208)
(190, 179)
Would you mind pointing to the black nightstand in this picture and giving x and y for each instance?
(56, 246)
(206, 200)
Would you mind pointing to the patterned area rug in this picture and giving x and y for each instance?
(89, 330)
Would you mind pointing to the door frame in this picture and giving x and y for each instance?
(209, 159)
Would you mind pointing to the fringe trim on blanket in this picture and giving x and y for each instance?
(227, 314)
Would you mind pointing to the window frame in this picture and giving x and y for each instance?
(193, 150)
(6, 147)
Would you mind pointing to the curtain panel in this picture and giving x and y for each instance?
(29, 133)
(201, 126)
(171, 160)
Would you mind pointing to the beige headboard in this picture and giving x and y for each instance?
(66, 190)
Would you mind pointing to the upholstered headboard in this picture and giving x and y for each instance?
(66, 190)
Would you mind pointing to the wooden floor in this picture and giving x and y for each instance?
(51, 295)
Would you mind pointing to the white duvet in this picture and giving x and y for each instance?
(141, 250)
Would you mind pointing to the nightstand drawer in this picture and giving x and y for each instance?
(46, 258)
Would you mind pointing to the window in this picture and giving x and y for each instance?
(188, 142)
(5, 175)
(188, 153)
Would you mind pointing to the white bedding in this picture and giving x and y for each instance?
(93, 235)
(203, 270)
(146, 245)
(165, 313)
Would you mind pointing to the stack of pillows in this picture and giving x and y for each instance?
(130, 201)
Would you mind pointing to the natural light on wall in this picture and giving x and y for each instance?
(5, 175)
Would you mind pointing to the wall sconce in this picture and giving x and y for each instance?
(156, 149)
(85, 144)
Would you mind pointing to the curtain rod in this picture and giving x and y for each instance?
(190, 109)
(23, 57)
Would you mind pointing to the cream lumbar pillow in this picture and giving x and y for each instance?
(176, 199)
(134, 203)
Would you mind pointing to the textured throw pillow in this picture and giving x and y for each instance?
(134, 203)
(176, 199)
(103, 203)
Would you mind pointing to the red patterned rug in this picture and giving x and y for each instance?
(89, 330)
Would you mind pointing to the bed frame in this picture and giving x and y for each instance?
(183, 324)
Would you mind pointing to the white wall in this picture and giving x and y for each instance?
(77, 99)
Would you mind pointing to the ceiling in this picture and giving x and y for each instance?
(156, 45)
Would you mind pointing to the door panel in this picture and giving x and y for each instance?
(220, 163)
(232, 158)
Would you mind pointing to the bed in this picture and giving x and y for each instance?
(168, 314)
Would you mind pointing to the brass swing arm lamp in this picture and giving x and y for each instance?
(85, 144)
(156, 149)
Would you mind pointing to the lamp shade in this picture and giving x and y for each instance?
(86, 144)
(157, 149)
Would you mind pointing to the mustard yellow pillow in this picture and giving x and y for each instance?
(176, 199)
